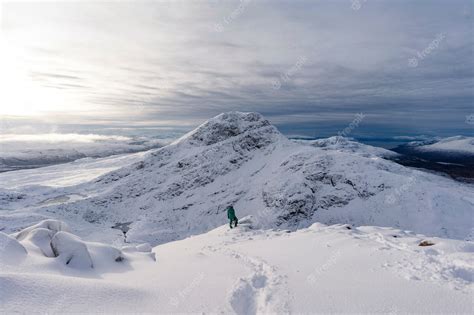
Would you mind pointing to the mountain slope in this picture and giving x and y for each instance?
(39, 150)
(240, 158)
(347, 145)
(252, 271)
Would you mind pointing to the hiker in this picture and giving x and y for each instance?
(231, 216)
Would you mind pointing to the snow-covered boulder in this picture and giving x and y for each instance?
(103, 255)
(41, 238)
(251, 222)
(68, 248)
(52, 225)
(71, 250)
(11, 251)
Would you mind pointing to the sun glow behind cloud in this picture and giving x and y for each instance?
(20, 96)
(161, 63)
(49, 65)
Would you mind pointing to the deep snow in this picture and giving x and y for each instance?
(320, 269)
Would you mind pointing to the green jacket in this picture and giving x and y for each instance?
(231, 213)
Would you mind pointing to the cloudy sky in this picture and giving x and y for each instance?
(308, 66)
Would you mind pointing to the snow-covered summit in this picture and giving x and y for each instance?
(236, 158)
(228, 125)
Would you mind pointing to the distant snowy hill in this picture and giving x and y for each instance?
(238, 158)
(30, 151)
(457, 144)
(453, 156)
(458, 149)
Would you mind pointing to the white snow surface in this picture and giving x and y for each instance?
(456, 144)
(19, 151)
(69, 174)
(323, 228)
(348, 145)
(320, 269)
(11, 251)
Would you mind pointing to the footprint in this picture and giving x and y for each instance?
(259, 281)
(264, 291)
(242, 298)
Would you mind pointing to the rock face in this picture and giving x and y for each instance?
(241, 159)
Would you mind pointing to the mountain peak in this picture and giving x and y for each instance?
(225, 126)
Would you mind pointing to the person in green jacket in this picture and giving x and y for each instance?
(231, 216)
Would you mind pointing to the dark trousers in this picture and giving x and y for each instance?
(233, 220)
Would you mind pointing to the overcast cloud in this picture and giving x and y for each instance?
(309, 66)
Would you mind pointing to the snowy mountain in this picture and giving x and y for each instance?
(239, 158)
(453, 156)
(458, 149)
(325, 227)
(30, 151)
(457, 144)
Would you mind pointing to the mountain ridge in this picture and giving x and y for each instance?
(237, 158)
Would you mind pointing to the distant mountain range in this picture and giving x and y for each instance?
(453, 156)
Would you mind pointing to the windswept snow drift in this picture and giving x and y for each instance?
(247, 270)
(52, 239)
(241, 159)
(11, 251)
